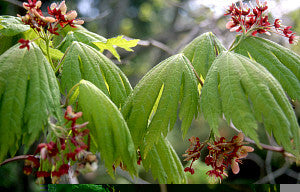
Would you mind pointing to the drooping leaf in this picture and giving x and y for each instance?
(85, 62)
(8, 41)
(28, 95)
(118, 42)
(107, 127)
(246, 93)
(12, 26)
(152, 107)
(202, 51)
(283, 63)
(83, 36)
(164, 163)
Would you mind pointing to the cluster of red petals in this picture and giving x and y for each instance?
(193, 153)
(55, 152)
(223, 154)
(24, 43)
(37, 21)
(139, 158)
(30, 163)
(244, 19)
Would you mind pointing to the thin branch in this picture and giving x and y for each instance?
(274, 174)
(100, 16)
(17, 3)
(160, 45)
(126, 175)
(264, 146)
(188, 38)
(16, 158)
(293, 174)
(269, 167)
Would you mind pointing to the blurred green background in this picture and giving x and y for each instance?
(174, 23)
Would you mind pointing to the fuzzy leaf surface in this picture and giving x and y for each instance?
(152, 107)
(107, 127)
(202, 51)
(164, 163)
(110, 45)
(28, 95)
(245, 92)
(83, 36)
(12, 26)
(283, 63)
(85, 62)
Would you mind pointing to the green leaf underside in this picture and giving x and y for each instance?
(119, 42)
(246, 93)
(107, 127)
(152, 107)
(202, 52)
(164, 163)
(83, 36)
(85, 62)
(12, 26)
(283, 63)
(28, 95)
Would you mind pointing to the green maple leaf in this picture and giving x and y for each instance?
(29, 94)
(152, 107)
(119, 42)
(281, 62)
(164, 163)
(247, 93)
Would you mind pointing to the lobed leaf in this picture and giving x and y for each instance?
(118, 42)
(246, 93)
(84, 62)
(28, 95)
(164, 163)
(152, 107)
(12, 26)
(107, 128)
(202, 51)
(281, 62)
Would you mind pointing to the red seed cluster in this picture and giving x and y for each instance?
(254, 20)
(193, 153)
(54, 159)
(222, 154)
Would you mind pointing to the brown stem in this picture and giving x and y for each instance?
(16, 158)
(265, 146)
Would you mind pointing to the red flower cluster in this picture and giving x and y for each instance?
(42, 24)
(246, 20)
(24, 43)
(56, 155)
(221, 155)
(193, 153)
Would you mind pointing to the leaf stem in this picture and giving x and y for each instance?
(196, 74)
(60, 62)
(234, 45)
(48, 53)
(70, 92)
